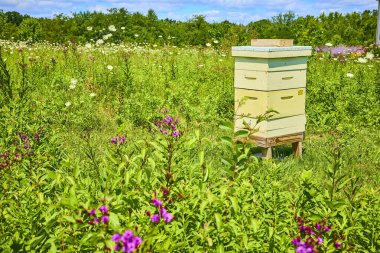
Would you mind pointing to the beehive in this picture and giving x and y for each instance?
(271, 78)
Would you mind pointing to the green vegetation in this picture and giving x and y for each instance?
(65, 111)
(349, 29)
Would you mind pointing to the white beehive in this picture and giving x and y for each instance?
(271, 78)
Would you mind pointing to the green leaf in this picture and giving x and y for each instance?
(218, 220)
(241, 133)
(226, 125)
(114, 222)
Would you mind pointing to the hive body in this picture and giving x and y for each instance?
(271, 78)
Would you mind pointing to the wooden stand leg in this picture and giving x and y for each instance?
(267, 153)
(297, 149)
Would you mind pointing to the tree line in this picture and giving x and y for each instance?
(120, 25)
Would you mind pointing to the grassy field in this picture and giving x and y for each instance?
(85, 128)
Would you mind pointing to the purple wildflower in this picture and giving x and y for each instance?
(165, 191)
(105, 219)
(116, 237)
(92, 212)
(168, 217)
(122, 140)
(319, 240)
(96, 220)
(327, 229)
(337, 245)
(157, 202)
(114, 140)
(103, 209)
(296, 241)
(155, 218)
(175, 134)
(318, 226)
(127, 235)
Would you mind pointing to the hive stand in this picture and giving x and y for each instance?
(272, 74)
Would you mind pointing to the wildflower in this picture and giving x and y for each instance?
(136, 35)
(165, 191)
(105, 219)
(114, 139)
(157, 202)
(109, 67)
(159, 36)
(72, 86)
(122, 140)
(349, 75)
(362, 60)
(122, 28)
(328, 44)
(318, 226)
(369, 56)
(92, 94)
(88, 45)
(107, 36)
(99, 42)
(319, 240)
(73, 81)
(155, 218)
(89, 28)
(327, 229)
(112, 28)
(116, 237)
(103, 209)
(216, 41)
(92, 212)
(175, 134)
(67, 104)
(168, 217)
(126, 242)
(208, 44)
(337, 245)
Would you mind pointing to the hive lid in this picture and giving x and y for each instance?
(271, 52)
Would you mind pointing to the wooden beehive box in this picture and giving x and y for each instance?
(271, 77)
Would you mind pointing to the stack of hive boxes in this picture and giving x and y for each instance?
(271, 78)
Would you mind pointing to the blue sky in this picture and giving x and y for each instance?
(238, 11)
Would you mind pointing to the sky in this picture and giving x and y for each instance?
(237, 11)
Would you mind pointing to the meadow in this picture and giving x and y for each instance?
(130, 148)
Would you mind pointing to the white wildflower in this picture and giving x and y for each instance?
(72, 86)
(369, 56)
(122, 28)
(328, 44)
(350, 75)
(99, 42)
(136, 35)
(67, 104)
(73, 81)
(109, 67)
(216, 41)
(88, 45)
(362, 60)
(112, 28)
(89, 28)
(159, 36)
(208, 44)
(107, 36)
(201, 65)
(92, 94)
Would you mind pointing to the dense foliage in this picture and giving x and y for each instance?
(129, 148)
(124, 26)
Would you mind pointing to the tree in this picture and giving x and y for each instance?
(30, 30)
